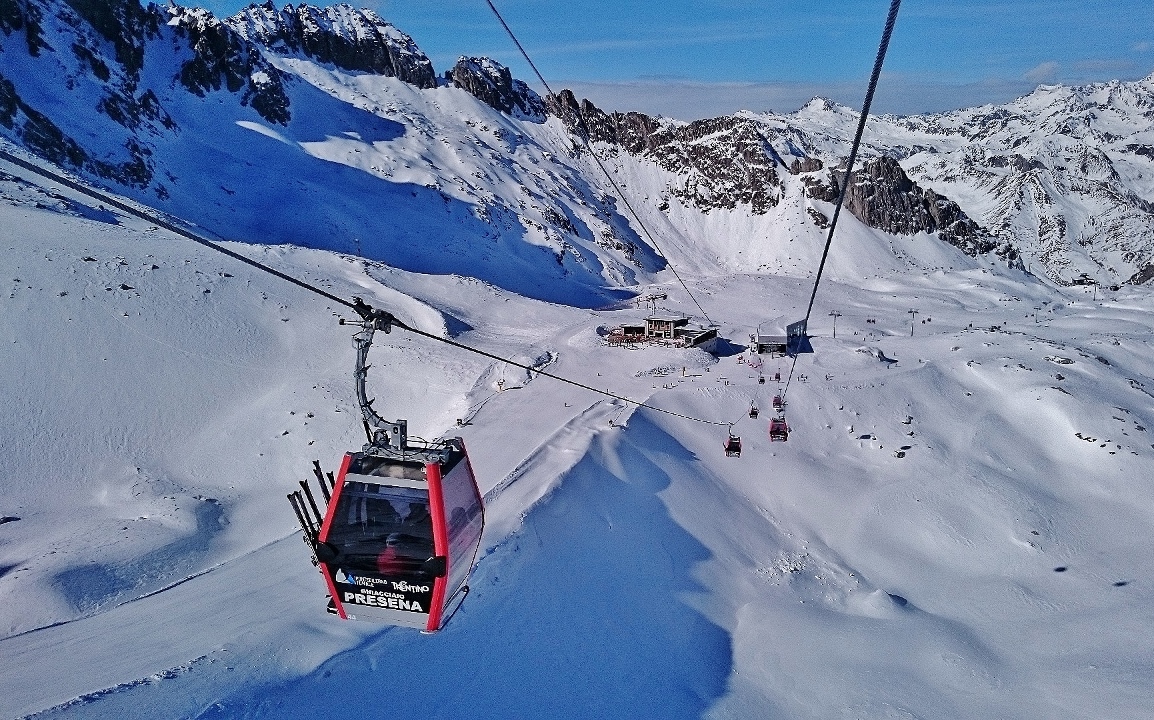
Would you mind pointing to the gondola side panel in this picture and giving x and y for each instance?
(465, 520)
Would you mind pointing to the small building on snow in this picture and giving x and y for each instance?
(779, 337)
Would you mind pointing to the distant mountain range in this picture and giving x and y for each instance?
(248, 124)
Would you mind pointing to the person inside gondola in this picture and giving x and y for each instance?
(380, 515)
(418, 521)
(416, 536)
(390, 561)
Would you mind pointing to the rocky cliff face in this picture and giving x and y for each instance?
(493, 84)
(881, 195)
(111, 49)
(223, 58)
(19, 15)
(339, 35)
(727, 161)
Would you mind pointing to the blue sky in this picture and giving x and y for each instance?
(696, 58)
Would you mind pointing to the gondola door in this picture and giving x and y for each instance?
(375, 542)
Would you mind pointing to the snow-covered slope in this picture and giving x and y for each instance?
(959, 533)
(248, 147)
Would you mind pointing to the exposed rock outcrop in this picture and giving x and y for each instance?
(21, 16)
(726, 161)
(124, 23)
(492, 83)
(339, 35)
(1143, 276)
(882, 196)
(224, 58)
(804, 165)
(38, 133)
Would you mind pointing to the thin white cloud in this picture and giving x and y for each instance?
(1142, 47)
(670, 40)
(1044, 72)
(1105, 66)
(689, 100)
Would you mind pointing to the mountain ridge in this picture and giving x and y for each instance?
(1060, 181)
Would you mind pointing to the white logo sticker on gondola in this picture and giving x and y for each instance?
(383, 600)
(348, 578)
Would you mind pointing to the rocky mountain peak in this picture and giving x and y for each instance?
(339, 35)
(725, 161)
(881, 195)
(224, 58)
(818, 104)
(493, 84)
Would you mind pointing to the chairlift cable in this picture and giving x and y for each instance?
(585, 136)
(355, 305)
(874, 75)
(534, 371)
(148, 217)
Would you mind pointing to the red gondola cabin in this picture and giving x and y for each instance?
(400, 535)
(778, 430)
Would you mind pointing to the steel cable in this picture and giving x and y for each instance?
(148, 217)
(845, 180)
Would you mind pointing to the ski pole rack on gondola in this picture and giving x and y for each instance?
(402, 520)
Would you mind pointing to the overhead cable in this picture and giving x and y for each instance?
(586, 138)
(354, 304)
(865, 111)
(845, 180)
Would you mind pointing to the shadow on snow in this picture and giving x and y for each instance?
(582, 613)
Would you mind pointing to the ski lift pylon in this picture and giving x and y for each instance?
(402, 523)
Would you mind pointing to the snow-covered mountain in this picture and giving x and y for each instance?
(1062, 179)
(238, 125)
